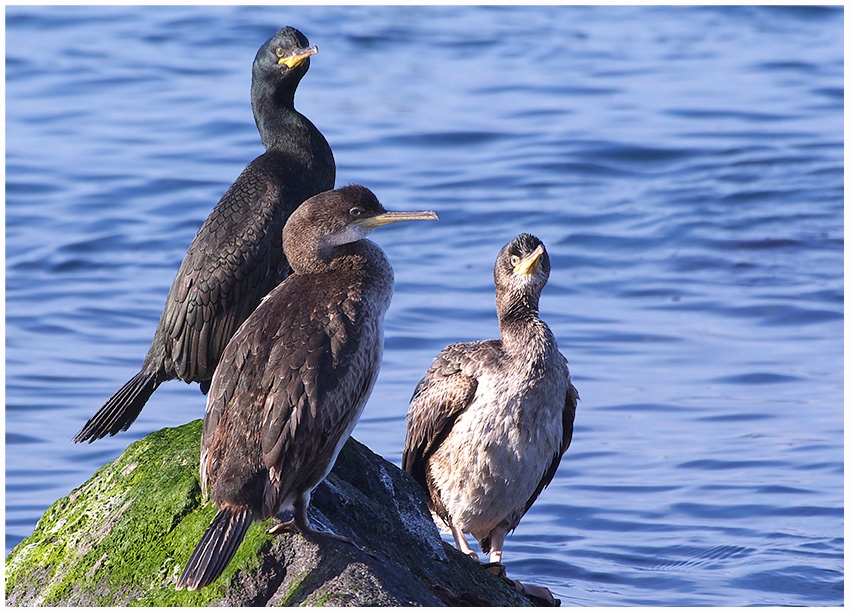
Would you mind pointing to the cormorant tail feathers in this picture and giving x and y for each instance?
(216, 549)
(121, 410)
(485, 544)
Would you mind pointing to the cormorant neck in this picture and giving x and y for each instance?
(277, 120)
(311, 251)
(309, 255)
(519, 321)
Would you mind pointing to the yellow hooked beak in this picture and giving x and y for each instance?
(291, 61)
(388, 217)
(531, 264)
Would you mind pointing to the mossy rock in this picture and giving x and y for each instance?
(122, 539)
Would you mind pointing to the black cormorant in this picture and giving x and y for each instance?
(236, 257)
(293, 380)
(490, 420)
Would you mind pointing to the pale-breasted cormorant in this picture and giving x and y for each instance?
(293, 380)
(237, 257)
(490, 420)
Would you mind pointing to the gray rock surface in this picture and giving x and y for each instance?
(123, 536)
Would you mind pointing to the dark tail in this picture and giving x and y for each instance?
(216, 549)
(485, 544)
(121, 410)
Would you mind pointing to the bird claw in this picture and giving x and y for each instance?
(496, 568)
(290, 527)
(282, 527)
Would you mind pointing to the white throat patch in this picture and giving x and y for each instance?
(352, 233)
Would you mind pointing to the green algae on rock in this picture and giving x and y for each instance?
(122, 539)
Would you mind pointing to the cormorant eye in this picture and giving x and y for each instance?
(357, 212)
(279, 52)
(515, 259)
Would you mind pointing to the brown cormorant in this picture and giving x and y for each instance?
(293, 380)
(236, 257)
(490, 420)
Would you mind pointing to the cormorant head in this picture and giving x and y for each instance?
(522, 269)
(337, 217)
(278, 67)
(282, 61)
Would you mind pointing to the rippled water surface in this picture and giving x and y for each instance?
(684, 167)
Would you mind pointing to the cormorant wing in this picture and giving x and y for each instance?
(308, 408)
(446, 391)
(231, 264)
(283, 369)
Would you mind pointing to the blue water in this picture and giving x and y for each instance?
(684, 167)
